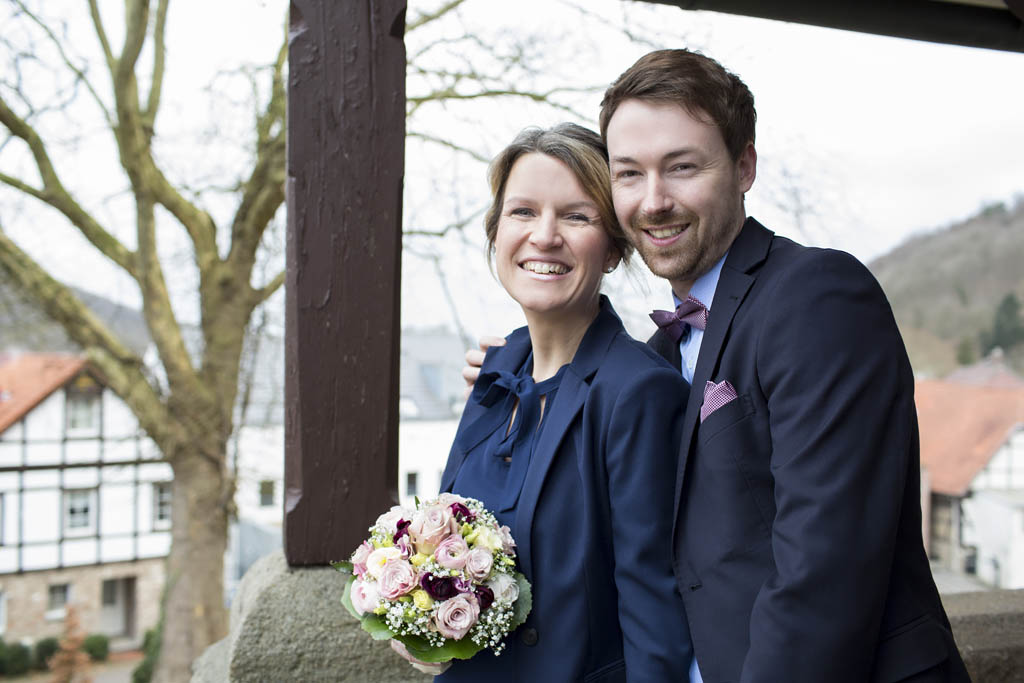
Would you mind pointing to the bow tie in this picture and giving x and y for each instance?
(690, 313)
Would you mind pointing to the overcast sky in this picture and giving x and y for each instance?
(874, 139)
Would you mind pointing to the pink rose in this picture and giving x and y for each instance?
(451, 552)
(455, 617)
(364, 596)
(446, 499)
(507, 544)
(397, 579)
(478, 563)
(430, 526)
(389, 520)
(359, 558)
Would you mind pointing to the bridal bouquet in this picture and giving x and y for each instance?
(440, 579)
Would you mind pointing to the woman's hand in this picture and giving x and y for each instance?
(431, 668)
(475, 358)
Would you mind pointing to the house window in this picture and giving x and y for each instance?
(59, 596)
(266, 493)
(411, 481)
(79, 510)
(162, 504)
(109, 592)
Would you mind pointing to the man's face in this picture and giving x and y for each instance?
(677, 191)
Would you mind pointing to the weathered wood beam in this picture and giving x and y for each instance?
(346, 128)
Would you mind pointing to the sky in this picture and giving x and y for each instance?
(863, 141)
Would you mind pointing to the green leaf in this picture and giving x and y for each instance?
(346, 598)
(417, 499)
(343, 567)
(523, 605)
(376, 627)
(452, 649)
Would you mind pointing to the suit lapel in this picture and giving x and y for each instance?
(739, 272)
(558, 425)
(572, 393)
(667, 348)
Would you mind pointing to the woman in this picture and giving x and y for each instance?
(570, 435)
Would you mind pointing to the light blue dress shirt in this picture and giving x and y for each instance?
(703, 290)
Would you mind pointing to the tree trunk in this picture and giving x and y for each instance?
(194, 612)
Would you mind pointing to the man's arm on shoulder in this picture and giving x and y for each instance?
(475, 358)
(840, 398)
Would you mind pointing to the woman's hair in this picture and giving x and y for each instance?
(585, 154)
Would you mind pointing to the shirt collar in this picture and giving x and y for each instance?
(704, 287)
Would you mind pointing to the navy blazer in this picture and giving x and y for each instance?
(593, 523)
(797, 535)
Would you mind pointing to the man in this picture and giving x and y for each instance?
(797, 538)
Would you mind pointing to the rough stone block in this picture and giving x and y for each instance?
(287, 624)
(989, 630)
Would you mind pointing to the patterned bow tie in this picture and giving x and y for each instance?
(690, 313)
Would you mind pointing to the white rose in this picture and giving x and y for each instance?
(378, 558)
(364, 596)
(504, 587)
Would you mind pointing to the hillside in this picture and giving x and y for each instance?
(944, 286)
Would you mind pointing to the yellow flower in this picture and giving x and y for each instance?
(418, 559)
(422, 600)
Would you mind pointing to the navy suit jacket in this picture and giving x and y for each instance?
(593, 522)
(797, 535)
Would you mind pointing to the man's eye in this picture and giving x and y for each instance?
(683, 167)
(627, 173)
(578, 217)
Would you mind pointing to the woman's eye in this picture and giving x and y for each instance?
(521, 211)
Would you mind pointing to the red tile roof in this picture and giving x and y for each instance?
(962, 427)
(28, 378)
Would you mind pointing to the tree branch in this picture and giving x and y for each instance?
(79, 74)
(449, 144)
(159, 56)
(427, 17)
(101, 33)
(122, 368)
(265, 292)
(54, 194)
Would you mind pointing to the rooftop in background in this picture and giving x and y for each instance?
(992, 24)
(992, 371)
(28, 378)
(962, 427)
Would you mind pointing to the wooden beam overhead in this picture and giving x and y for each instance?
(991, 24)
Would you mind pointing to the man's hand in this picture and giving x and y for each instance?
(475, 358)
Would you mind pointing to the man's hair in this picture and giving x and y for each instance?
(586, 156)
(697, 83)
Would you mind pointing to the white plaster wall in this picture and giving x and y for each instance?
(423, 448)
(996, 525)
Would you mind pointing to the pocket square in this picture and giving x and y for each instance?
(716, 396)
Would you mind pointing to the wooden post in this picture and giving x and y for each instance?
(346, 143)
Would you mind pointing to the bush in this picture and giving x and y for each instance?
(97, 646)
(45, 648)
(17, 659)
(151, 647)
(3, 657)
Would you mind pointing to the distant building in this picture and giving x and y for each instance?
(85, 504)
(972, 465)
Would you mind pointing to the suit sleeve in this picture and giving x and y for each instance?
(641, 452)
(839, 391)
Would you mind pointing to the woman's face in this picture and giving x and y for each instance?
(551, 250)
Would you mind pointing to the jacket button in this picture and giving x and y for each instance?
(529, 636)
